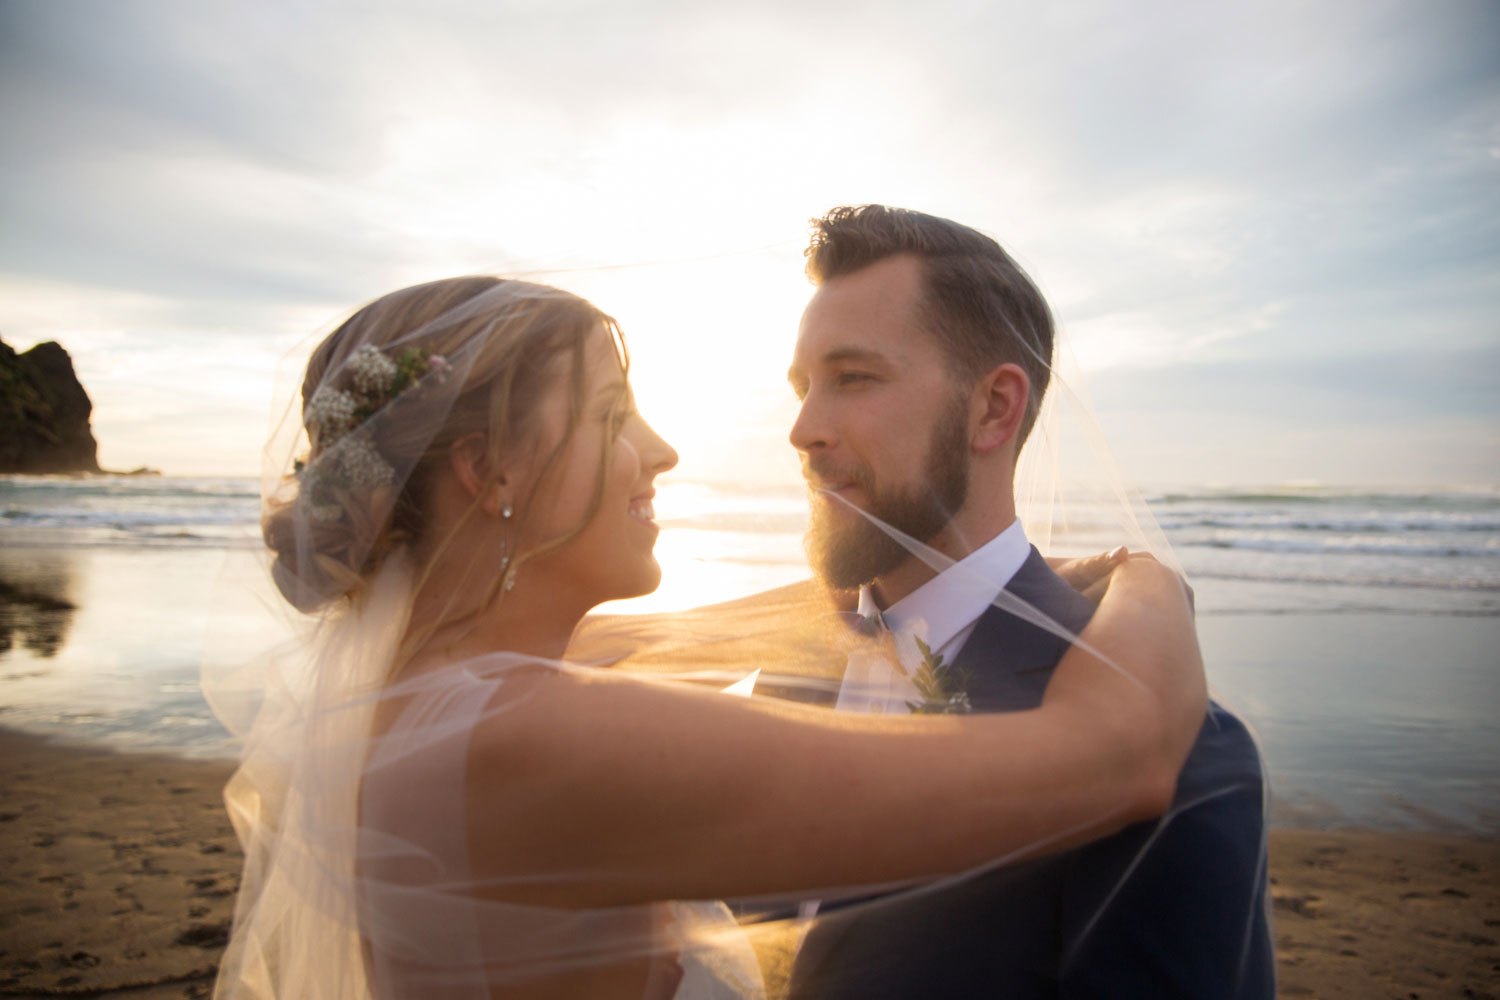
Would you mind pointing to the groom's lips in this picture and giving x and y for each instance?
(828, 480)
(837, 487)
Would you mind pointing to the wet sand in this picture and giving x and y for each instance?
(119, 873)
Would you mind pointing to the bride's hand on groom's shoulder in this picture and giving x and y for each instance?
(1089, 575)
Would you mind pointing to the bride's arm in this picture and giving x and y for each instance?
(608, 789)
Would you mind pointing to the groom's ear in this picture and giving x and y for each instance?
(999, 401)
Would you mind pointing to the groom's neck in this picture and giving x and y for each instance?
(970, 528)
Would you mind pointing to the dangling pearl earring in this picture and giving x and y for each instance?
(510, 574)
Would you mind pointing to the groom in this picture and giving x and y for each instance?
(920, 364)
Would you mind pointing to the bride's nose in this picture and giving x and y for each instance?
(656, 455)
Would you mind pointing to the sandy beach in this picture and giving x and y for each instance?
(120, 872)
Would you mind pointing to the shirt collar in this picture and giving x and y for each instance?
(956, 597)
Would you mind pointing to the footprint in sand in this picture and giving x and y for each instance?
(205, 935)
(1305, 906)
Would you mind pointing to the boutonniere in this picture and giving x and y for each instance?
(944, 689)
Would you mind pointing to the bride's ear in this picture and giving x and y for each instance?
(477, 472)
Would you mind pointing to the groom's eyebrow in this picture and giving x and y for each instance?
(852, 353)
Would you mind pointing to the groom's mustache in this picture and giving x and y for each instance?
(823, 475)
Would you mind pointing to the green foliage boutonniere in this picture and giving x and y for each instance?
(944, 690)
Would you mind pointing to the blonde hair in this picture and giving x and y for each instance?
(510, 334)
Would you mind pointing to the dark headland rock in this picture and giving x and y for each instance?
(44, 414)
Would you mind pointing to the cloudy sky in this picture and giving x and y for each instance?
(1270, 231)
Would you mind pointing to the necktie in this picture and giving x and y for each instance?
(872, 624)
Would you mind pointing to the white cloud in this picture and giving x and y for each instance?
(186, 188)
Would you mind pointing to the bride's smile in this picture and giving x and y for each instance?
(642, 509)
(605, 484)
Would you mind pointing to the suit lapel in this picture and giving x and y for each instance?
(1010, 660)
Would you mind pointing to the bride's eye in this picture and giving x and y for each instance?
(619, 415)
(622, 411)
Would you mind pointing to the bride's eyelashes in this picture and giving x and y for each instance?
(616, 412)
(616, 417)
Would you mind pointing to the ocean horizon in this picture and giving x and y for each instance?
(1354, 628)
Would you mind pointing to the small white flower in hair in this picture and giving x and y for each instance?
(326, 512)
(371, 371)
(330, 412)
(362, 464)
(345, 456)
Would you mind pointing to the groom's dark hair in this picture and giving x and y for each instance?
(976, 300)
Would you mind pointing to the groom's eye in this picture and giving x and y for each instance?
(853, 378)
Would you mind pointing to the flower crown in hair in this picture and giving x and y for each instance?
(335, 418)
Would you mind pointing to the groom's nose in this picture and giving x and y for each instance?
(811, 430)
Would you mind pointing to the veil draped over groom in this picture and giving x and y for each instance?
(909, 307)
(1026, 924)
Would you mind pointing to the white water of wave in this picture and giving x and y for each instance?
(1319, 550)
(128, 511)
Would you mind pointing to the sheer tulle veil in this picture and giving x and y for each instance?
(350, 796)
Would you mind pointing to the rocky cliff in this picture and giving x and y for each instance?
(44, 413)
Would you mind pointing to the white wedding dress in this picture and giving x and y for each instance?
(351, 804)
(418, 911)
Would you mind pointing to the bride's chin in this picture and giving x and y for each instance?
(645, 581)
(650, 580)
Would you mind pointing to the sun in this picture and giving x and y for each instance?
(709, 343)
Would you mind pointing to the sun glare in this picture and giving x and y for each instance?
(709, 341)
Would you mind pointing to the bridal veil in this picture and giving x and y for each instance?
(349, 799)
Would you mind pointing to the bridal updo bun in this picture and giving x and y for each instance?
(384, 398)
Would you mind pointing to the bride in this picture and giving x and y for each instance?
(439, 798)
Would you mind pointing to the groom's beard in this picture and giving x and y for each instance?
(847, 550)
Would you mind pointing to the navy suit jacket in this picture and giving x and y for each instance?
(1174, 908)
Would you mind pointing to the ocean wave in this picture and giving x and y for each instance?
(119, 487)
(1388, 581)
(127, 511)
(1474, 498)
(1352, 525)
(1342, 547)
(227, 535)
(1176, 498)
(125, 520)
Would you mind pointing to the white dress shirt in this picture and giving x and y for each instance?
(943, 612)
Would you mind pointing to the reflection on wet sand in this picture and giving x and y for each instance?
(35, 609)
